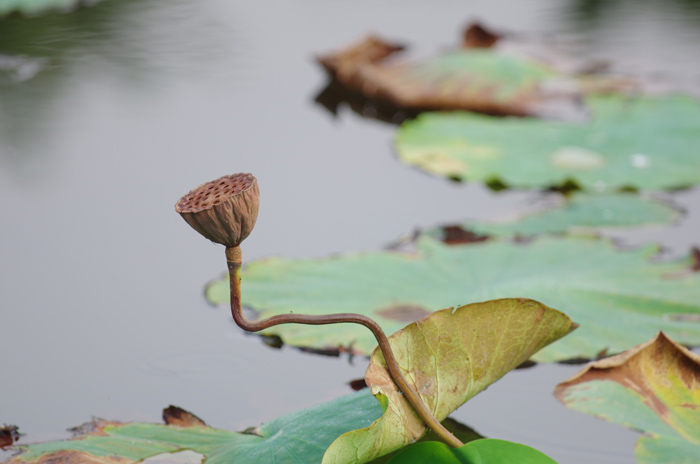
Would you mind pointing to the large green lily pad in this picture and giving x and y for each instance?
(300, 436)
(654, 388)
(580, 212)
(448, 357)
(620, 298)
(649, 143)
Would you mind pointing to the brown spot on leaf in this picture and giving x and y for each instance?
(477, 36)
(690, 406)
(8, 435)
(403, 312)
(456, 235)
(173, 415)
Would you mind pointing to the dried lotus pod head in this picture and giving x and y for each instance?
(223, 210)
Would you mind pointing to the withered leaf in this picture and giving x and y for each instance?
(476, 76)
(174, 415)
(653, 387)
(448, 357)
(8, 435)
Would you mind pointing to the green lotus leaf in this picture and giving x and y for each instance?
(620, 297)
(648, 143)
(303, 435)
(448, 357)
(579, 212)
(486, 451)
(653, 388)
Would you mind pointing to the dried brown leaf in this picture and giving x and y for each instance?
(477, 36)
(174, 415)
(8, 435)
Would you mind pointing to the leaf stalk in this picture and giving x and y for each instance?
(234, 260)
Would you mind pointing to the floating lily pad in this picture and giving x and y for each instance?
(620, 298)
(579, 212)
(478, 80)
(300, 436)
(448, 357)
(647, 143)
(653, 388)
(475, 76)
(475, 79)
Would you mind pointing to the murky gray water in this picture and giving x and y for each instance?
(110, 114)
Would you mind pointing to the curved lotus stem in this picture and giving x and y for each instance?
(224, 211)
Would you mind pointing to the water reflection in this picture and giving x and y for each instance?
(598, 11)
(132, 42)
(335, 95)
(654, 41)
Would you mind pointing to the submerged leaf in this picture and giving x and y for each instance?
(448, 357)
(579, 212)
(649, 143)
(599, 286)
(654, 388)
(486, 451)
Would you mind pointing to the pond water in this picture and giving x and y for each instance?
(110, 114)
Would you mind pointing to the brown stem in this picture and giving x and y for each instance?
(234, 260)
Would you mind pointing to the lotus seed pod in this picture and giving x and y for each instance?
(223, 210)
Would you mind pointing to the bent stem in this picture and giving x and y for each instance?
(234, 260)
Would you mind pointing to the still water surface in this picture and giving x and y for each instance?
(113, 112)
